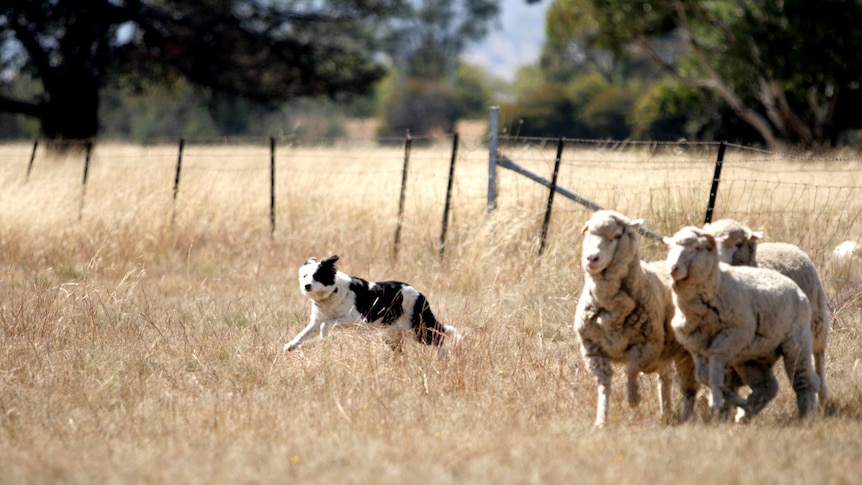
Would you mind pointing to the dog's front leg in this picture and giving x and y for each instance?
(309, 330)
(315, 327)
(329, 325)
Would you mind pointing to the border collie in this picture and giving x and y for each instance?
(339, 298)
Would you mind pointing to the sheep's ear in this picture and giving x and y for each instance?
(584, 229)
(709, 241)
(636, 224)
(667, 240)
(755, 236)
(719, 239)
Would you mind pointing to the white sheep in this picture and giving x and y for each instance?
(624, 316)
(740, 246)
(740, 317)
(845, 251)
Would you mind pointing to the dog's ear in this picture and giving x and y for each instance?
(310, 260)
(330, 260)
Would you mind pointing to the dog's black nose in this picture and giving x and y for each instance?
(308, 287)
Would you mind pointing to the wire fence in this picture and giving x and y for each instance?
(812, 201)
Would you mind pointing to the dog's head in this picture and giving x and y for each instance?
(317, 278)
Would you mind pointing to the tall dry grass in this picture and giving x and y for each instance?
(139, 350)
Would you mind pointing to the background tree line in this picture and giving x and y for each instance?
(774, 72)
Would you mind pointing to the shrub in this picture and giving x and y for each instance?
(664, 111)
(547, 111)
(421, 106)
(605, 116)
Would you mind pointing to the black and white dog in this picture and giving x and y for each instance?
(339, 298)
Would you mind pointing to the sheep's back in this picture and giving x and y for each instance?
(788, 260)
(794, 263)
(766, 299)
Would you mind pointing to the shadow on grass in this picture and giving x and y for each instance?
(846, 407)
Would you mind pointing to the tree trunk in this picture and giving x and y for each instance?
(71, 108)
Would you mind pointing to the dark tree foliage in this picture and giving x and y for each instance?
(266, 51)
(420, 107)
(787, 68)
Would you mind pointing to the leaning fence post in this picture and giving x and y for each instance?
(408, 142)
(553, 188)
(448, 195)
(89, 148)
(272, 186)
(493, 129)
(177, 179)
(32, 157)
(713, 192)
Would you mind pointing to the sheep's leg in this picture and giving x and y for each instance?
(716, 384)
(665, 386)
(685, 372)
(722, 345)
(633, 395)
(639, 358)
(797, 365)
(701, 368)
(764, 387)
(732, 383)
(600, 366)
(820, 368)
(602, 371)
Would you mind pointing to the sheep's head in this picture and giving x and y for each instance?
(606, 235)
(692, 255)
(737, 244)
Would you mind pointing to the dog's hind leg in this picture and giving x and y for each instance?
(394, 338)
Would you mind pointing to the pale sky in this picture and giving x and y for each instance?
(519, 40)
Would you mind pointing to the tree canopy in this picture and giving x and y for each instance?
(432, 89)
(787, 68)
(262, 50)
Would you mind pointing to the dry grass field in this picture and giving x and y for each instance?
(134, 349)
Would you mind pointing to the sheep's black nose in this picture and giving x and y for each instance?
(308, 287)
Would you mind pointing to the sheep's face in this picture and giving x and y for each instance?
(692, 254)
(736, 243)
(604, 233)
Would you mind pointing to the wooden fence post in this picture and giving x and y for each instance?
(32, 157)
(408, 143)
(713, 192)
(177, 179)
(272, 186)
(89, 148)
(493, 140)
(448, 194)
(553, 189)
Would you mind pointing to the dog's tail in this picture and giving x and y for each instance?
(429, 330)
